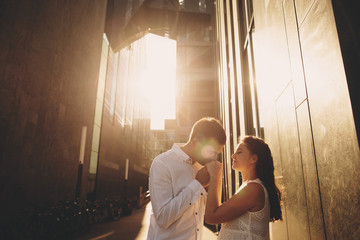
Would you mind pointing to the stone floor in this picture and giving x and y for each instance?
(133, 227)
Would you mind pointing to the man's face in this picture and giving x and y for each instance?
(207, 150)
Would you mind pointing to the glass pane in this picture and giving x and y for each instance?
(98, 112)
(121, 90)
(96, 138)
(93, 162)
(250, 10)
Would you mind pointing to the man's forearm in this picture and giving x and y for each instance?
(167, 211)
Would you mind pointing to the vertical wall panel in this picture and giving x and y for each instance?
(238, 62)
(231, 75)
(302, 8)
(270, 51)
(274, 74)
(295, 57)
(316, 222)
(294, 192)
(224, 88)
(278, 230)
(305, 108)
(335, 140)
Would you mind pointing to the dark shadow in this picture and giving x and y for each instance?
(130, 227)
(347, 19)
(213, 228)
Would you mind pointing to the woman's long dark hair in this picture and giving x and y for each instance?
(265, 172)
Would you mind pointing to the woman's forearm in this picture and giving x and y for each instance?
(213, 199)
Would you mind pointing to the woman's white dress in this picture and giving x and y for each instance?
(251, 225)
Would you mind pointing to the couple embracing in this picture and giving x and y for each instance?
(185, 186)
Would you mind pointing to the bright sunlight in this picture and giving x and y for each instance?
(157, 82)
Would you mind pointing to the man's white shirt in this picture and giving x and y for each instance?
(177, 199)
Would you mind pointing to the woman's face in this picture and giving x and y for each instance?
(242, 158)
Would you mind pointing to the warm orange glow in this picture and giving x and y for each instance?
(157, 84)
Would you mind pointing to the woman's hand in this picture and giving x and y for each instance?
(214, 168)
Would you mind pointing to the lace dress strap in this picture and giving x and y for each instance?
(257, 180)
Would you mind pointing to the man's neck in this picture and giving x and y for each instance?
(187, 149)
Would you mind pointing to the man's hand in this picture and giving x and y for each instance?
(214, 169)
(203, 177)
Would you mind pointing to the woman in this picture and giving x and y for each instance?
(246, 215)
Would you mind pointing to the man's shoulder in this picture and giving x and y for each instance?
(164, 156)
(163, 161)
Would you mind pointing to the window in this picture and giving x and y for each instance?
(248, 33)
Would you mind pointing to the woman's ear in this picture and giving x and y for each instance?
(254, 158)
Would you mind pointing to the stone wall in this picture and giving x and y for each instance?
(49, 64)
(308, 118)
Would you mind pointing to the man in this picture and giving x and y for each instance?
(178, 180)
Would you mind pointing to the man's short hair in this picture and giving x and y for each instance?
(208, 127)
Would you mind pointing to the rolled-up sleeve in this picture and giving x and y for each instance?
(166, 206)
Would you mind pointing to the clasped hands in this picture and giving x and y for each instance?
(213, 170)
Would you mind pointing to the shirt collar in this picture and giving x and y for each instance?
(182, 156)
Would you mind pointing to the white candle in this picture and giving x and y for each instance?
(126, 169)
(82, 145)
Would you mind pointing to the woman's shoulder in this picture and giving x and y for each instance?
(256, 183)
(249, 190)
(257, 190)
(254, 188)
